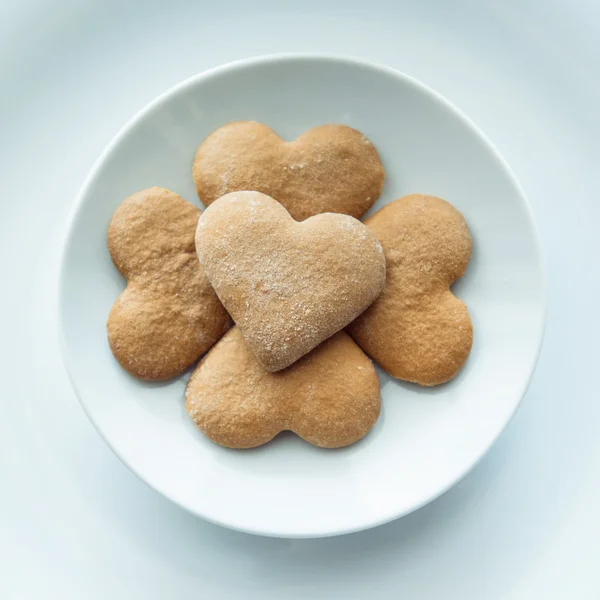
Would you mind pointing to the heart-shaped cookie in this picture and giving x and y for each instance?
(332, 168)
(287, 285)
(330, 397)
(168, 315)
(418, 330)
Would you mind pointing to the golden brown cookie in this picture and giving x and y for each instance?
(418, 330)
(168, 315)
(332, 168)
(330, 397)
(287, 285)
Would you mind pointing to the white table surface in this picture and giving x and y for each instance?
(75, 523)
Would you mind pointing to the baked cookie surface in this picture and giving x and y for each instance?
(332, 168)
(168, 315)
(288, 285)
(330, 397)
(417, 330)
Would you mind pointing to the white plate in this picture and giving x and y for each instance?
(425, 439)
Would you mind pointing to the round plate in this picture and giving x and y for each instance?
(425, 439)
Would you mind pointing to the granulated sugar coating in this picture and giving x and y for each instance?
(168, 315)
(332, 168)
(330, 397)
(287, 285)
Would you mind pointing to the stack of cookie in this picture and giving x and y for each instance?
(271, 274)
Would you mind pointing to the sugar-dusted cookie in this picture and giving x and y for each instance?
(418, 330)
(332, 168)
(287, 285)
(330, 397)
(168, 315)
